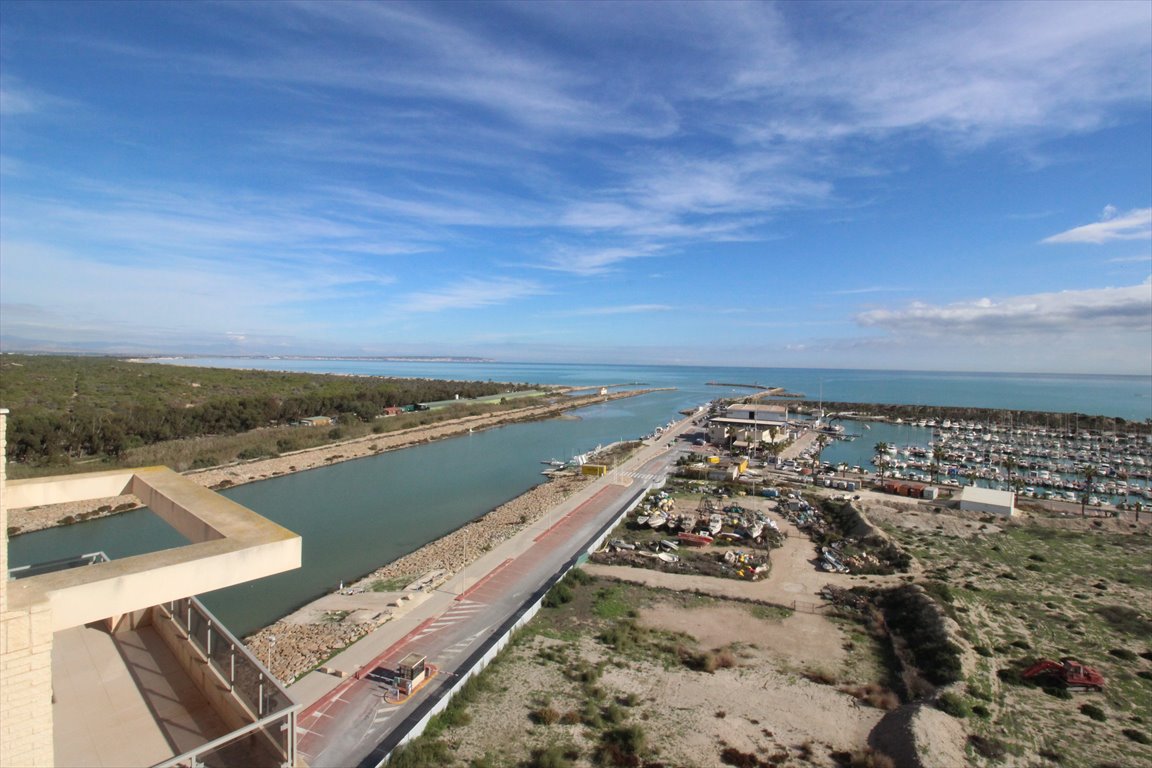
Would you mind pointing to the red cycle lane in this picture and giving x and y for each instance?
(335, 728)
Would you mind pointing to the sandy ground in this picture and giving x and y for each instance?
(794, 581)
(760, 706)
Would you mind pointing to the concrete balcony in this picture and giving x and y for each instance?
(133, 671)
(168, 686)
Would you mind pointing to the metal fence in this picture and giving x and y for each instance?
(270, 739)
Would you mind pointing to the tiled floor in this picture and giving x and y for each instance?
(123, 700)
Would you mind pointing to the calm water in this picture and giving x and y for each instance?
(358, 515)
(1128, 397)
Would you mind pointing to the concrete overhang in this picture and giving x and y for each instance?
(230, 544)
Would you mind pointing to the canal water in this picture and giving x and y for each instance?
(358, 515)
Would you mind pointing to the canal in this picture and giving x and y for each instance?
(358, 515)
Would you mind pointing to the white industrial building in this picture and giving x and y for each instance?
(1001, 503)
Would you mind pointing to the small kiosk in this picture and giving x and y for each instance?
(410, 672)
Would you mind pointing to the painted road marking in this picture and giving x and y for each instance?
(484, 579)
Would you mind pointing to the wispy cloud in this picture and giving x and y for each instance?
(1134, 225)
(1091, 311)
(626, 309)
(870, 289)
(595, 261)
(469, 294)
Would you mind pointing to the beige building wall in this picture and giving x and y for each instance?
(25, 660)
(230, 544)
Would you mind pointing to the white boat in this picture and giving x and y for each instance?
(753, 530)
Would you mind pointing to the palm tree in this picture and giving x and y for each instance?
(881, 460)
(1010, 464)
(1089, 474)
(938, 454)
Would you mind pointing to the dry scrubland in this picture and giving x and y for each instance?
(1044, 588)
(630, 675)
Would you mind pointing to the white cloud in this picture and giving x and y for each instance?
(597, 261)
(1095, 312)
(626, 309)
(469, 294)
(870, 289)
(1134, 225)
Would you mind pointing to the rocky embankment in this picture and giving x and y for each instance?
(299, 643)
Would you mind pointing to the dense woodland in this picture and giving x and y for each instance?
(64, 408)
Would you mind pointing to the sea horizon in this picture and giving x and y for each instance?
(1126, 396)
(468, 359)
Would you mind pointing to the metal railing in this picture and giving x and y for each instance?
(270, 739)
(60, 564)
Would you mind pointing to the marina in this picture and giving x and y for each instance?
(1035, 462)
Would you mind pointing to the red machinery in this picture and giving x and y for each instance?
(1068, 672)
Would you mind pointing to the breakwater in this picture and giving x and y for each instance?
(1005, 417)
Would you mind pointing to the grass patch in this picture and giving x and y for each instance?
(612, 603)
(394, 584)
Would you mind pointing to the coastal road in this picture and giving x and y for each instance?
(354, 725)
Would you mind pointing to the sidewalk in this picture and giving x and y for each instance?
(315, 685)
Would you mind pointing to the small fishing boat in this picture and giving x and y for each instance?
(695, 539)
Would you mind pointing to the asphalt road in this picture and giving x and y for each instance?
(354, 725)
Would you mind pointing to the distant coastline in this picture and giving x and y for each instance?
(353, 358)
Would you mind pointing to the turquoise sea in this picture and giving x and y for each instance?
(1128, 397)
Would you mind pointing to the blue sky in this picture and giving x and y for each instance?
(919, 186)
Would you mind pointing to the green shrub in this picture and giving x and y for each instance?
(578, 576)
(553, 756)
(558, 595)
(422, 753)
(954, 704)
(1093, 711)
(993, 749)
(1124, 653)
(545, 715)
(915, 617)
(1137, 736)
(621, 746)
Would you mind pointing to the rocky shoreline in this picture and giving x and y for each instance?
(304, 640)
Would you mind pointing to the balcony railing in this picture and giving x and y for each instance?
(270, 738)
(61, 564)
